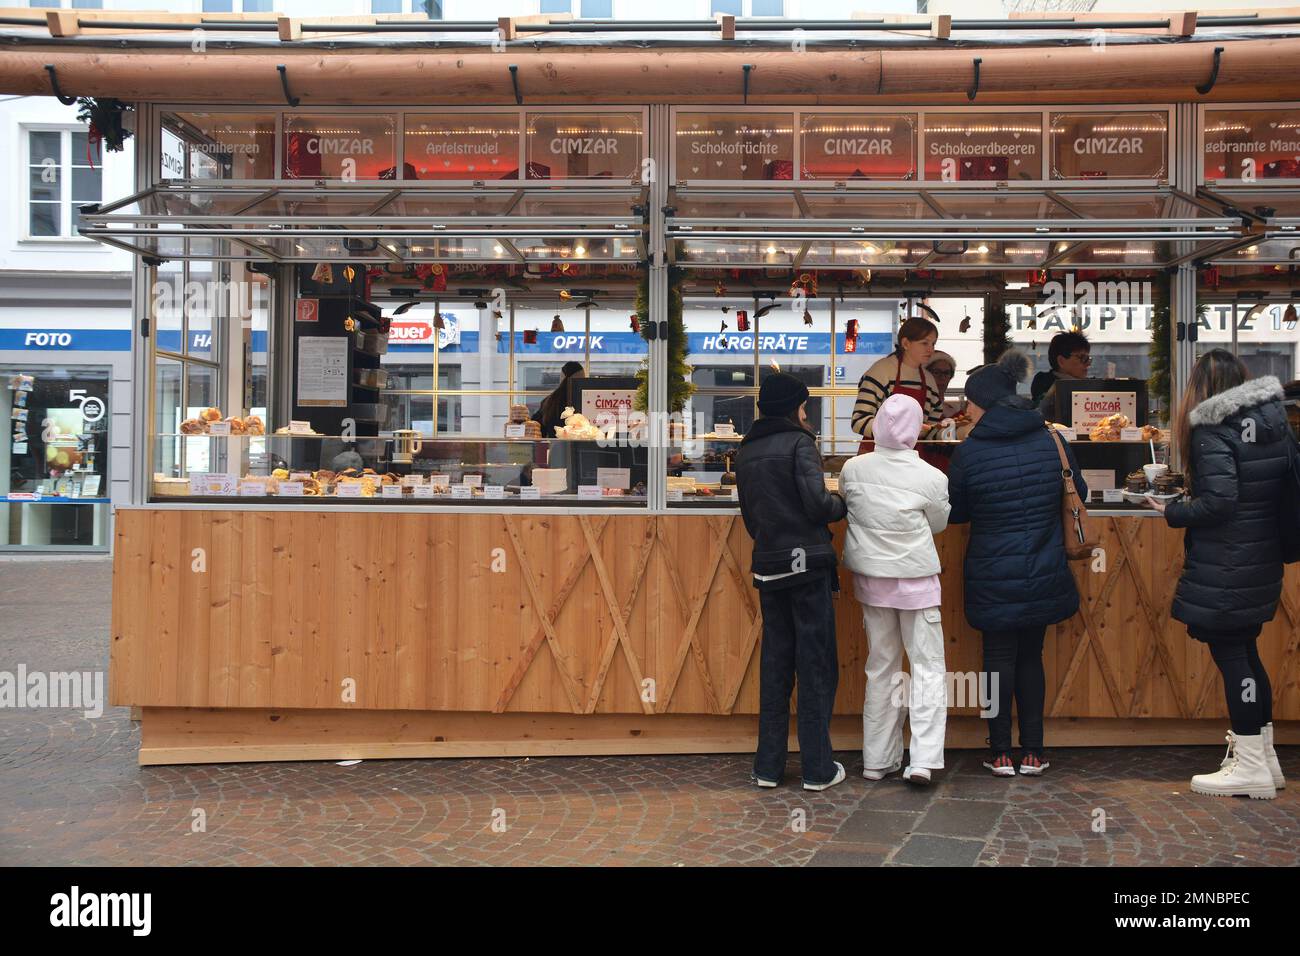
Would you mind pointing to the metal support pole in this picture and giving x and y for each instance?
(660, 141)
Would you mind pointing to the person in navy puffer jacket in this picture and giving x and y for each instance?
(1005, 480)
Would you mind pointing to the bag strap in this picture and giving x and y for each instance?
(1067, 473)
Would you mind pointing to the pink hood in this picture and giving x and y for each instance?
(898, 422)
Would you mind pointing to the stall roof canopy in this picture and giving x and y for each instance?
(1275, 238)
(937, 228)
(267, 58)
(277, 222)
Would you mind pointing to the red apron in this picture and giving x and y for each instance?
(938, 461)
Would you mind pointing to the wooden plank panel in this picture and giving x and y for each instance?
(408, 606)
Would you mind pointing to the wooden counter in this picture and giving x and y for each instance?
(295, 634)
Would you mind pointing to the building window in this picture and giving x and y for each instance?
(60, 178)
(597, 9)
(430, 8)
(218, 6)
(555, 6)
(73, 4)
(748, 8)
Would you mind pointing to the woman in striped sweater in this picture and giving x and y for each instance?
(901, 372)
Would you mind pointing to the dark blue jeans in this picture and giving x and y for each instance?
(1016, 657)
(798, 638)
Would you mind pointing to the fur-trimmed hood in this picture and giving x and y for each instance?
(1217, 409)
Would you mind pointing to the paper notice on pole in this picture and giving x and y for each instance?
(322, 370)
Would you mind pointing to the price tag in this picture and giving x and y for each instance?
(493, 491)
(391, 491)
(351, 489)
(472, 481)
(1130, 434)
(20, 448)
(225, 485)
(530, 492)
(1112, 495)
(252, 489)
(291, 489)
(300, 428)
(440, 481)
(1069, 434)
(674, 494)
(613, 477)
(515, 431)
(412, 481)
(462, 491)
(588, 491)
(299, 475)
(219, 428)
(423, 491)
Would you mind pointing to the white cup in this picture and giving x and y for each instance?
(1153, 472)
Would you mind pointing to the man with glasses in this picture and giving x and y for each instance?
(1070, 356)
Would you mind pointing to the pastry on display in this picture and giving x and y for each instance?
(211, 415)
(254, 425)
(576, 426)
(170, 487)
(1154, 433)
(236, 425)
(1109, 428)
(518, 414)
(1136, 482)
(728, 478)
(532, 430)
(193, 426)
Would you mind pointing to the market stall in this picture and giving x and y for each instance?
(476, 495)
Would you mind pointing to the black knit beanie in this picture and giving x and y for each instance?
(780, 394)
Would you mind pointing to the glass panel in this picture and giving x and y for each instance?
(44, 183)
(219, 145)
(434, 205)
(1113, 252)
(462, 146)
(1109, 145)
(44, 219)
(1248, 145)
(747, 205)
(757, 146)
(1285, 251)
(584, 145)
(766, 252)
(58, 439)
(44, 148)
(879, 253)
(843, 146)
(333, 205)
(768, 8)
(86, 185)
(960, 147)
(577, 250)
(346, 146)
(613, 204)
(870, 206)
(1143, 205)
(167, 417)
(385, 6)
(597, 9)
(1011, 208)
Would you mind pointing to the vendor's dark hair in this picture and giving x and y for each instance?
(554, 403)
(914, 329)
(1063, 343)
(1216, 371)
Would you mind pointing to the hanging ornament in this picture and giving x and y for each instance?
(349, 324)
(323, 273)
(1289, 316)
(807, 317)
(565, 295)
(437, 324)
(1212, 277)
(806, 283)
(851, 335)
(742, 320)
(557, 324)
(530, 336)
(349, 273)
(719, 289)
(635, 323)
(435, 277)
(724, 326)
(965, 321)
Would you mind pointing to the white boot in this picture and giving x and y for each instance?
(1243, 773)
(1274, 767)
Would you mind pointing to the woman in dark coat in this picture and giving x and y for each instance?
(1238, 447)
(1005, 480)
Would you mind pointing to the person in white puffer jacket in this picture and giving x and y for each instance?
(896, 505)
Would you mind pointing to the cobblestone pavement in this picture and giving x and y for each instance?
(71, 793)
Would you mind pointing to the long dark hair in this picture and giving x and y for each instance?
(554, 403)
(1216, 371)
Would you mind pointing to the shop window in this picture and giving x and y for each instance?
(61, 177)
(584, 146)
(237, 6)
(343, 146)
(1109, 145)
(734, 146)
(431, 8)
(748, 8)
(54, 459)
(461, 146)
(597, 9)
(221, 145)
(555, 6)
(68, 4)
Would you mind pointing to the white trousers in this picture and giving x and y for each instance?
(891, 694)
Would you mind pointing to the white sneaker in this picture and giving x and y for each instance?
(839, 778)
(1244, 772)
(919, 776)
(761, 782)
(1274, 766)
(872, 774)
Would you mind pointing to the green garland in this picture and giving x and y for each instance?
(680, 387)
